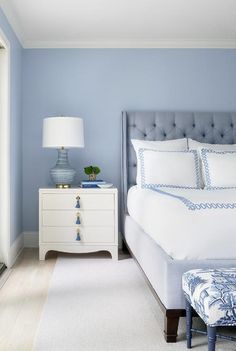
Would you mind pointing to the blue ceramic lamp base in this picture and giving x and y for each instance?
(62, 174)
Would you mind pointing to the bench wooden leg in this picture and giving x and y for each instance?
(211, 333)
(189, 324)
(171, 328)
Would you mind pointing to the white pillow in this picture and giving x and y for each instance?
(219, 168)
(165, 145)
(177, 169)
(194, 145)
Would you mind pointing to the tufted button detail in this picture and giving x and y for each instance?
(231, 125)
(134, 125)
(144, 135)
(154, 125)
(174, 125)
(203, 135)
(194, 125)
(164, 134)
(134, 165)
(213, 125)
(184, 135)
(222, 135)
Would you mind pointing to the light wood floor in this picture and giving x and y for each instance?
(21, 300)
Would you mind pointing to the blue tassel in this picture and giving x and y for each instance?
(77, 204)
(78, 220)
(78, 237)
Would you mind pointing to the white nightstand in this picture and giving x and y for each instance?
(78, 220)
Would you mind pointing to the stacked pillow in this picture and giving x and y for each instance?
(218, 162)
(166, 164)
(196, 145)
(183, 163)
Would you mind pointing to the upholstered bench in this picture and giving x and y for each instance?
(212, 294)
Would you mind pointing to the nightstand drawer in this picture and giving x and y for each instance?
(87, 235)
(85, 201)
(83, 218)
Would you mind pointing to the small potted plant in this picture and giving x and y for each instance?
(92, 172)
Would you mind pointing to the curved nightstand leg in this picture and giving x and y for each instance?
(114, 253)
(42, 253)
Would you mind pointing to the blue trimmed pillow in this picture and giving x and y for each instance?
(176, 169)
(219, 168)
(194, 145)
(163, 145)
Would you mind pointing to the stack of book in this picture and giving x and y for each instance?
(91, 183)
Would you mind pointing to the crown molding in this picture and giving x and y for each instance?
(13, 20)
(133, 44)
(181, 43)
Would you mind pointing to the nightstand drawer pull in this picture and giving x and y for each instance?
(78, 238)
(78, 219)
(77, 203)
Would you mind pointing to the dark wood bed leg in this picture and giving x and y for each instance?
(171, 328)
(171, 316)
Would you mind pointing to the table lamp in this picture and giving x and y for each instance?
(63, 133)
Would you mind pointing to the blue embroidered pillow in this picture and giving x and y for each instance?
(219, 168)
(178, 169)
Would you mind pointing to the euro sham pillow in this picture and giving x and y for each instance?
(165, 145)
(175, 169)
(219, 168)
(195, 145)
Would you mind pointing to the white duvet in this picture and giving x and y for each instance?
(187, 223)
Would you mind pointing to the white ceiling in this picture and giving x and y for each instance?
(123, 23)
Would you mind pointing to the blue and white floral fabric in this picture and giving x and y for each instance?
(212, 294)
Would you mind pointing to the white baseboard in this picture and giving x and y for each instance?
(25, 239)
(15, 250)
(31, 239)
(4, 276)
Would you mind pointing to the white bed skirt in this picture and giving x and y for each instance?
(163, 272)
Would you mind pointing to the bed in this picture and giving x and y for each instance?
(162, 270)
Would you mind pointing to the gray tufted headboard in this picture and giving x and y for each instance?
(209, 127)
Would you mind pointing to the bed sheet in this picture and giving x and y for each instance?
(187, 223)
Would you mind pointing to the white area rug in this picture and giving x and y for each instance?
(96, 304)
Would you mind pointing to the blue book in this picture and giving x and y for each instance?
(89, 185)
(93, 182)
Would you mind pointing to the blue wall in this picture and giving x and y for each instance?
(15, 127)
(97, 85)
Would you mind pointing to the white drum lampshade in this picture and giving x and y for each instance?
(63, 133)
(67, 132)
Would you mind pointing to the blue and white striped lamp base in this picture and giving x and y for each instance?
(62, 174)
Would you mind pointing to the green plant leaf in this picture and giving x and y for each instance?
(88, 170)
(92, 169)
(96, 170)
